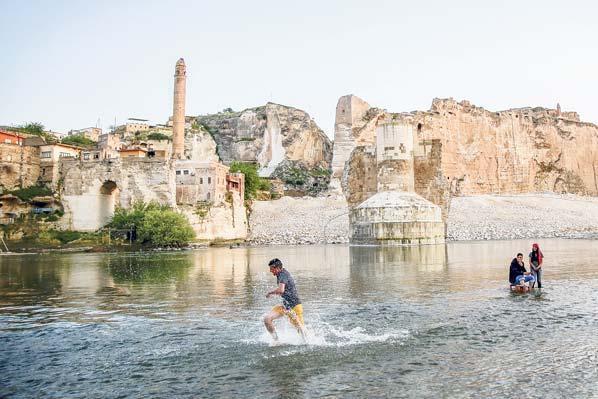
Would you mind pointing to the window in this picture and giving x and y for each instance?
(46, 154)
(43, 171)
(208, 196)
(388, 148)
(96, 156)
(185, 172)
(86, 156)
(209, 180)
(7, 141)
(201, 180)
(178, 172)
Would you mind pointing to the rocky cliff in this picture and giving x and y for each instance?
(284, 141)
(478, 151)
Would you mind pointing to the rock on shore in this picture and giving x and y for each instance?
(309, 220)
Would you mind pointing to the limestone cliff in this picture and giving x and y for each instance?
(283, 141)
(475, 151)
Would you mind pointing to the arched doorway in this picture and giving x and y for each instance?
(109, 194)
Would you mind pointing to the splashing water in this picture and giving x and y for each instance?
(322, 334)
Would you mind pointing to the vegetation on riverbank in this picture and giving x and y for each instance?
(153, 224)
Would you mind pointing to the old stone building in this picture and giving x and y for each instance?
(91, 133)
(134, 125)
(19, 163)
(50, 156)
(109, 144)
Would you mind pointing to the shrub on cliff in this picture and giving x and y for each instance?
(157, 136)
(79, 140)
(165, 228)
(27, 193)
(253, 182)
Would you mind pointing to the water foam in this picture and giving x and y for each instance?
(327, 335)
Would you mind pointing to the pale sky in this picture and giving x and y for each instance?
(67, 64)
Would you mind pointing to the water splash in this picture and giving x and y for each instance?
(327, 335)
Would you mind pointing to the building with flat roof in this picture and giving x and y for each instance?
(50, 156)
(134, 125)
(92, 133)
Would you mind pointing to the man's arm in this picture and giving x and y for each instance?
(277, 291)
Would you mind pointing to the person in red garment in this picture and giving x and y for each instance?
(536, 257)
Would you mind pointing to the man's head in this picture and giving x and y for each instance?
(275, 266)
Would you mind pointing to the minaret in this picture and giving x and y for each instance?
(178, 111)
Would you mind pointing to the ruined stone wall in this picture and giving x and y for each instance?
(429, 181)
(355, 126)
(19, 166)
(91, 190)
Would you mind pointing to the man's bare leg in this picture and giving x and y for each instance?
(298, 325)
(268, 322)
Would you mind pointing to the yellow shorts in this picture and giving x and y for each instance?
(295, 314)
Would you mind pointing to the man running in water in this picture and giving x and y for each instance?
(291, 304)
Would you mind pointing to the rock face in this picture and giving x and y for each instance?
(280, 139)
(219, 222)
(460, 149)
(513, 151)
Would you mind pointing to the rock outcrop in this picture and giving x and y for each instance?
(280, 139)
(468, 150)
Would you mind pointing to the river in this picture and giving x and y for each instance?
(434, 321)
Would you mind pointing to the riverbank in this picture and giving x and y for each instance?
(310, 220)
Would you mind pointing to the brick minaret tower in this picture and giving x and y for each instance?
(178, 112)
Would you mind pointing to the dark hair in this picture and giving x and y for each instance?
(275, 263)
(519, 254)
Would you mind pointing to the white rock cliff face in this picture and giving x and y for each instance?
(269, 135)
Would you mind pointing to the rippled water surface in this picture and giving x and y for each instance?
(383, 322)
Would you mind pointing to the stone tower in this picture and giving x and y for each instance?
(178, 111)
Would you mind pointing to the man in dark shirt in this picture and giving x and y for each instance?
(517, 272)
(291, 304)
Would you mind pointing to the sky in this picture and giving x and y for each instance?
(72, 64)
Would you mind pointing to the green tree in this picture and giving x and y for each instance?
(165, 228)
(35, 129)
(157, 136)
(253, 182)
(79, 140)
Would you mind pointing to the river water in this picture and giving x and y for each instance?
(435, 321)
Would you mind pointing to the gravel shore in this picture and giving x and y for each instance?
(493, 217)
(310, 220)
(305, 220)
